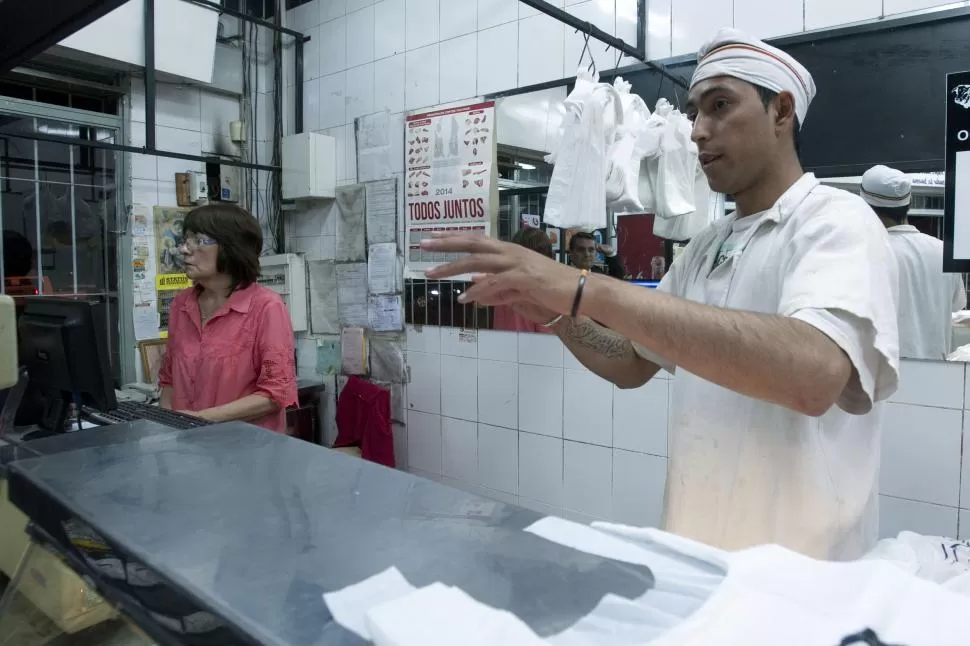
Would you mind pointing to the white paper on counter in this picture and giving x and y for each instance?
(352, 294)
(350, 605)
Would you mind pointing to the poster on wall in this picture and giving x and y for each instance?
(956, 210)
(450, 183)
(170, 276)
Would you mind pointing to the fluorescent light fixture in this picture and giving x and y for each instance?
(525, 166)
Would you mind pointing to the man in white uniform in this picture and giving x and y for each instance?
(780, 320)
(927, 296)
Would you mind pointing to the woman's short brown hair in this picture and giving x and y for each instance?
(239, 236)
(535, 239)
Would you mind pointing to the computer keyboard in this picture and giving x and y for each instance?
(132, 411)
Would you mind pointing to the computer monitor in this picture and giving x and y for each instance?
(64, 349)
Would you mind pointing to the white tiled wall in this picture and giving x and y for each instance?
(516, 424)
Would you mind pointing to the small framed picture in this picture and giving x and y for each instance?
(152, 352)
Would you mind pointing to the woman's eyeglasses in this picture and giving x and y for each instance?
(192, 244)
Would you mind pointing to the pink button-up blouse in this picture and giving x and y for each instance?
(246, 348)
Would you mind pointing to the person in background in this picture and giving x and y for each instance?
(230, 352)
(19, 273)
(779, 320)
(504, 317)
(582, 252)
(927, 296)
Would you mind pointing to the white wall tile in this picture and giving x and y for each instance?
(540, 400)
(540, 469)
(820, 14)
(424, 339)
(498, 393)
(166, 193)
(357, 5)
(965, 462)
(424, 442)
(525, 11)
(540, 507)
(360, 91)
(496, 12)
(640, 418)
(330, 9)
(400, 432)
(423, 17)
(178, 141)
(600, 14)
(498, 458)
(587, 408)
(311, 106)
(893, 7)
(498, 58)
(540, 350)
(785, 17)
(457, 18)
(930, 383)
(424, 388)
(541, 47)
(459, 343)
(389, 20)
(638, 488)
(964, 529)
(921, 454)
(360, 37)
(305, 16)
(144, 191)
(570, 362)
(696, 21)
(333, 103)
(217, 112)
(459, 62)
(459, 388)
(178, 106)
(459, 449)
(333, 46)
(311, 54)
(389, 86)
(421, 77)
(588, 477)
(626, 27)
(498, 346)
(897, 515)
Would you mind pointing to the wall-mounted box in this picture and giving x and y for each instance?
(309, 167)
(285, 274)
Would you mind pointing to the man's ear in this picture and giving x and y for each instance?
(785, 116)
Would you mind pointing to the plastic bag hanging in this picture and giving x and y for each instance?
(577, 189)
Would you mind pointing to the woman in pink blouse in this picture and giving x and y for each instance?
(230, 340)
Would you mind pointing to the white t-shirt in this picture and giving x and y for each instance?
(927, 296)
(744, 472)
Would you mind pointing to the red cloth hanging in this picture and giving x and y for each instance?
(364, 421)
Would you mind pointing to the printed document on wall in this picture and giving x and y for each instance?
(450, 182)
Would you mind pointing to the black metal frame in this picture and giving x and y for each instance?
(150, 147)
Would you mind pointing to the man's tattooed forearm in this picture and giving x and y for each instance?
(589, 335)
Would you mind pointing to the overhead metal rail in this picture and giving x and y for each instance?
(639, 52)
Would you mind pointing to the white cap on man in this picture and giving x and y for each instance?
(886, 187)
(734, 54)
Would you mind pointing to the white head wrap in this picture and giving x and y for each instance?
(886, 187)
(734, 54)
